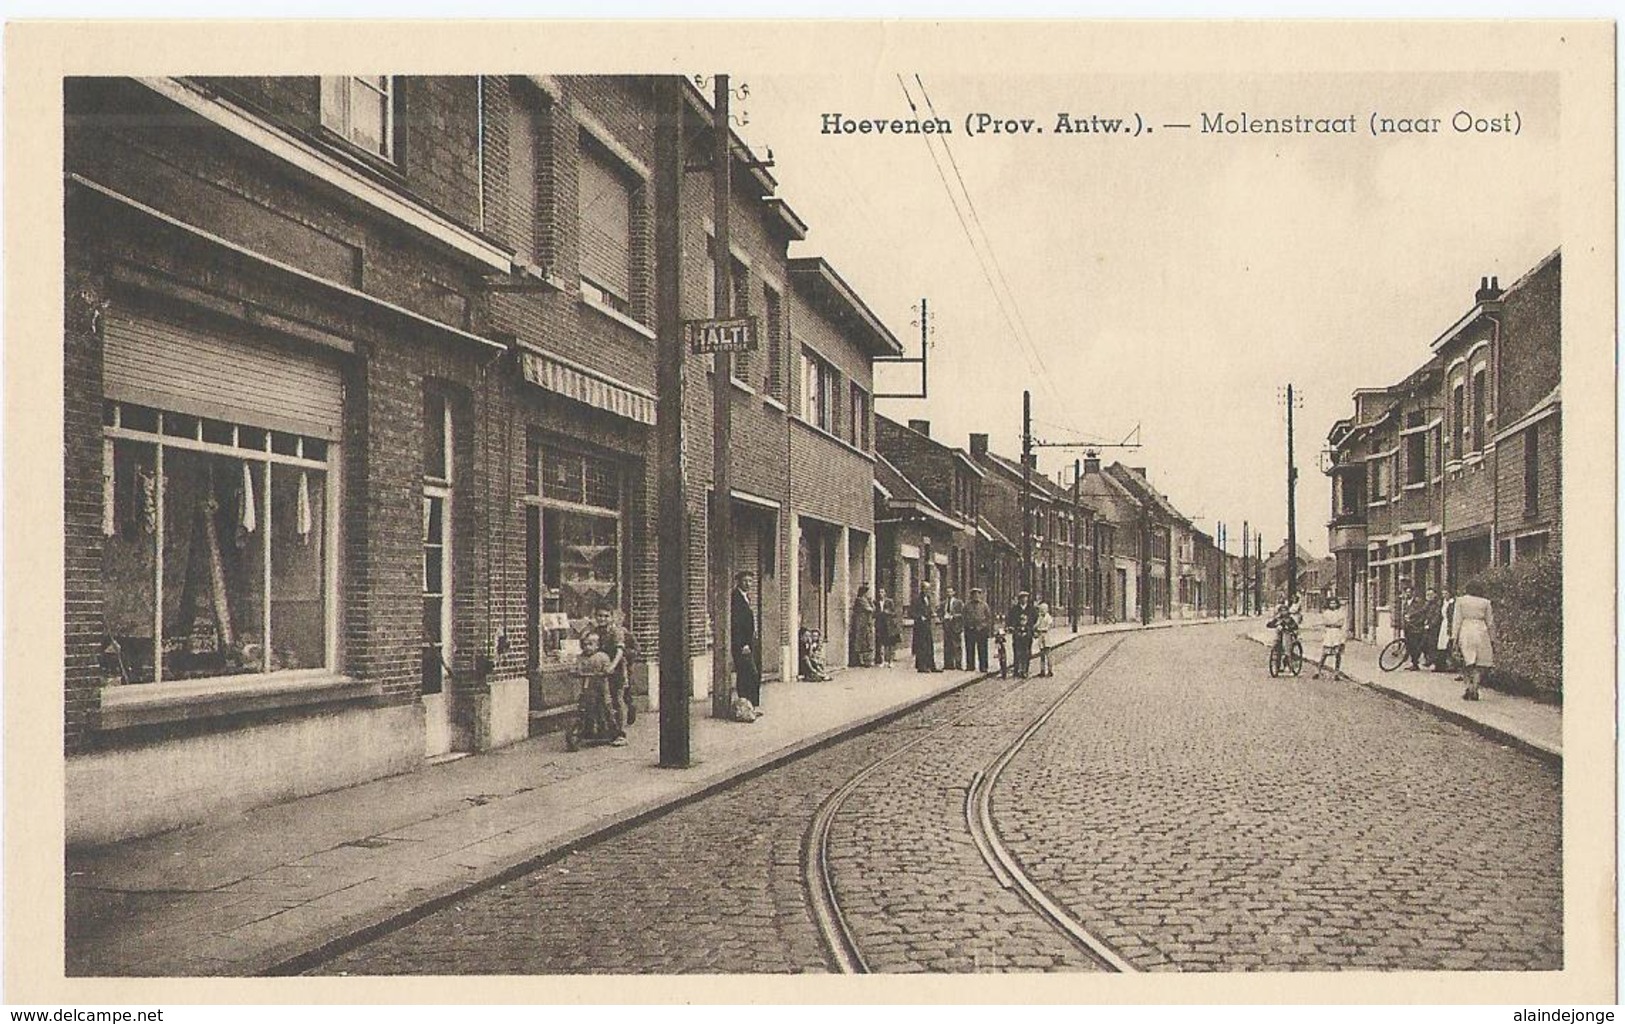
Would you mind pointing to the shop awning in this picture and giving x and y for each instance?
(561, 378)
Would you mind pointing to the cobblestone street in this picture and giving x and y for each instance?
(1194, 813)
(1200, 815)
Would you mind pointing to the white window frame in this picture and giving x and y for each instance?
(439, 488)
(328, 466)
(338, 93)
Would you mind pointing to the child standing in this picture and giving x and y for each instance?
(1041, 628)
(594, 667)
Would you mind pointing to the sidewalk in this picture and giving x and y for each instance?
(1519, 721)
(248, 895)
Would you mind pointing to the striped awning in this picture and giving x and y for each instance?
(600, 393)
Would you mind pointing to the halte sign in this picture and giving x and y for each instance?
(736, 334)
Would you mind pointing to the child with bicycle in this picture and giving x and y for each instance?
(1285, 623)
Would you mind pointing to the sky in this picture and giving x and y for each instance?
(1173, 282)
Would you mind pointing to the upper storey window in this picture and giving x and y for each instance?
(360, 108)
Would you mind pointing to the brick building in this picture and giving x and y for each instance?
(1455, 468)
(835, 338)
(277, 348)
(1059, 531)
(1119, 533)
(360, 394)
(927, 522)
(1160, 526)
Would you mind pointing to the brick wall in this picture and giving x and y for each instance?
(1531, 342)
(830, 481)
(82, 494)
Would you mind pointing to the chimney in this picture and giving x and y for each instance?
(1091, 462)
(1489, 290)
(1141, 471)
(1032, 461)
(920, 427)
(978, 444)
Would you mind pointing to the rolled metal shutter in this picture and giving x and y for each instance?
(222, 376)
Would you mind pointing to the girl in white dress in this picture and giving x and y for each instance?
(1332, 637)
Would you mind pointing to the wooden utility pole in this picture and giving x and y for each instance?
(1258, 571)
(676, 672)
(1246, 578)
(1027, 492)
(1077, 535)
(721, 533)
(1291, 505)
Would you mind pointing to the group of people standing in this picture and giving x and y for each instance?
(967, 627)
(1463, 625)
(1436, 631)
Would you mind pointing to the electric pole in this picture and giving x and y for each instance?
(721, 533)
(1027, 491)
(1291, 504)
(1246, 577)
(1077, 519)
(1258, 572)
(1028, 443)
(676, 671)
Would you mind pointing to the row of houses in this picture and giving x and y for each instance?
(1455, 469)
(360, 398)
(1106, 546)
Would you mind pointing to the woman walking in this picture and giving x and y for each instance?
(863, 627)
(1332, 637)
(1472, 627)
(886, 631)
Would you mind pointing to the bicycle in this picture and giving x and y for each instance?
(1285, 657)
(1396, 654)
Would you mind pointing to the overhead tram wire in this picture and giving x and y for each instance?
(976, 216)
(1035, 362)
(976, 251)
(998, 264)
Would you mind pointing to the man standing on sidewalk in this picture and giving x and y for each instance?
(1415, 609)
(953, 630)
(1019, 620)
(743, 633)
(978, 626)
(925, 644)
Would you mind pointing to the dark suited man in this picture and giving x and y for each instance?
(1019, 620)
(743, 640)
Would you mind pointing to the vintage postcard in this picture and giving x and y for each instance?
(1059, 511)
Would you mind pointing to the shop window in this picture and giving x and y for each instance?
(214, 548)
(359, 108)
(576, 543)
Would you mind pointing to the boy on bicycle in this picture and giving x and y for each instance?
(1285, 623)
